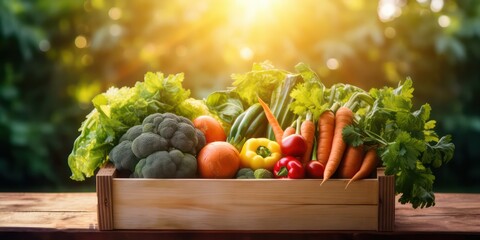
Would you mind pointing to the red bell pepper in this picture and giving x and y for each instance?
(289, 167)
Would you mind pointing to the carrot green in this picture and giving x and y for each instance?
(405, 140)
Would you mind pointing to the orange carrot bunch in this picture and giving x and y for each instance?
(340, 159)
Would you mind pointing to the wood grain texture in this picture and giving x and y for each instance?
(386, 206)
(74, 216)
(104, 197)
(453, 212)
(240, 191)
(48, 210)
(47, 202)
(232, 204)
(251, 217)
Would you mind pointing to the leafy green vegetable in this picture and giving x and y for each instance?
(192, 108)
(405, 141)
(227, 105)
(115, 112)
(308, 96)
(261, 81)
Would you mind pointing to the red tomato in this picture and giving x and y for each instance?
(212, 128)
(293, 145)
(315, 169)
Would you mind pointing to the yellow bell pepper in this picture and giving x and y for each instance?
(260, 153)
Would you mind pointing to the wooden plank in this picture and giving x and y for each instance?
(386, 207)
(453, 212)
(243, 192)
(104, 196)
(49, 220)
(244, 218)
(48, 210)
(47, 202)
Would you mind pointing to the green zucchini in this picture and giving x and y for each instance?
(258, 126)
(234, 128)
(237, 134)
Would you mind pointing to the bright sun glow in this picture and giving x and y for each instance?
(388, 10)
(253, 8)
(246, 53)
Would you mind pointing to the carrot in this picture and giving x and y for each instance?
(368, 165)
(307, 130)
(351, 162)
(289, 130)
(343, 117)
(272, 120)
(325, 126)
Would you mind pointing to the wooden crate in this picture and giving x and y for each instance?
(244, 204)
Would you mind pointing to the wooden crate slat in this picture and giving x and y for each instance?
(386, 208)
(248, 217)
(233, 191)
(104, 196)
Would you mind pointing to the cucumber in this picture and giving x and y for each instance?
(261, 130)
(236, 123)
(250, 116)
(243, 124)
(258, 126)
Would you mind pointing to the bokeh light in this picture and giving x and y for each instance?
(436, 5)
(444, 21)
(115, 13)
(81, 41)
(44, 45)
(333, 64)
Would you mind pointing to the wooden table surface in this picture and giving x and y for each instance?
(74, 216)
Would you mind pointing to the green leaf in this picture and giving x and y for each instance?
(441, 152)
(227, 105)
(260, 82)
(423, 113)
(409, 122)
(308, 97)
(416, 187)
(409, 150)
(306, 72)
(352, 136)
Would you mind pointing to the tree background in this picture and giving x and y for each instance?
(55, 56)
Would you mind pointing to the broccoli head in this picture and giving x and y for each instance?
(248, 173)
(163, 146)
(245, 173)
(123, 157)
(262, 173)
(167, 164)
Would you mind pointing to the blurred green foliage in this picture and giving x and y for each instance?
(56, 56)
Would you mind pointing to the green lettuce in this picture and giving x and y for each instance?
(227, 105)
(260, 82)
(115, 111)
